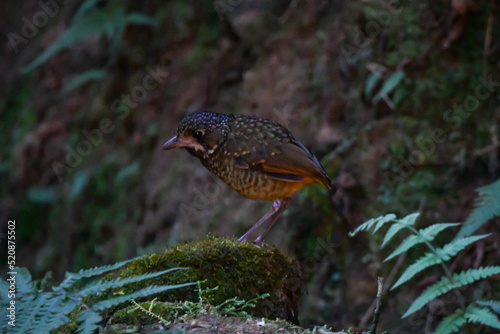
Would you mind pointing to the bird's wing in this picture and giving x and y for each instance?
(287, 161)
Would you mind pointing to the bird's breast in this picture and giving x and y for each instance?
(251, 183)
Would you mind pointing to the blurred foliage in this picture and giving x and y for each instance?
(66, 307)
(92, 21)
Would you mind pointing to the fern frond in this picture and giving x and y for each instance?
(391, 232)
(426, 234)
(26, 321)
(54, 314)
(71, 278)
(493, 304)
(406, 221)
(446, 284)
(4, 288)
(426, 261)
(377, 222)
(431, 258)
(398, 226)
(487, 206)
(89, 322)
(451, 249)
(150, 290)
(451, 323)
(102, 286)
(24, 284)
(481, 315)
(23, 309)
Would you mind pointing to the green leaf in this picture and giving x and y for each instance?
(137, 18)
(393, 230)
(398, 226)
(451, 323)
(441, 255)
(389, 85)
(426, 261)
(446, 284)
(85, 7)
(399, 95)
(130, 170)
(89, 322)
(24, 283)
(91, 22)
(487, 207)
(102, 286)
(426, 234)
(493, 304)
(71, 278)
(54, 313)
(79, 182)
(370, 83)
(370, 223)
(481, 315)
(146, 292)
(42, 195)
(83, 78)
(451, 249)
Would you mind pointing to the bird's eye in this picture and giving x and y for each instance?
(198, 134)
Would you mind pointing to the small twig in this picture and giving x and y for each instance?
(388, 283)
(376, 314)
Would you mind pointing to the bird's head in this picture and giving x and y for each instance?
(201, 133)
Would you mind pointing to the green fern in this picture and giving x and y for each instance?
(473, 314)
(481, 315)
(438, 256)
(451, 323)
(493, 304)
(487, 207)
(427, 234)
(446, 284)
(377, 222)
(45, 311)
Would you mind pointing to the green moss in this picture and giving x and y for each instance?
(242, 270)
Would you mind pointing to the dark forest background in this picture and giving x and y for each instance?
(398, 99)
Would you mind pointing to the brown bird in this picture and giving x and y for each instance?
(258, 158)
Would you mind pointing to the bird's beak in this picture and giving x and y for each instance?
(175, 142)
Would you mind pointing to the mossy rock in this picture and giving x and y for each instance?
(238, 269)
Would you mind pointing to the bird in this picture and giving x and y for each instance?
(258, 158)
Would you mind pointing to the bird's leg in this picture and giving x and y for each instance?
(274, 210)
(282, 207)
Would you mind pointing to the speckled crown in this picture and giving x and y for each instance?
(207, 119)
